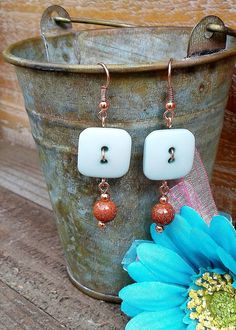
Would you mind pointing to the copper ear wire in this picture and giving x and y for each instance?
(104, 104)
(170, 104)
(163, 212)
(107, 74)
(104, 209)
(169, 80)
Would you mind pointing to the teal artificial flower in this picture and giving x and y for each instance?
(186, 277)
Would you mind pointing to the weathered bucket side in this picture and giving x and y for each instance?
(61, 104)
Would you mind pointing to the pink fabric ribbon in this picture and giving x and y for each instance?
(194, 190)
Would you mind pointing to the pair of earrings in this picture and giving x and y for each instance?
(106, 152)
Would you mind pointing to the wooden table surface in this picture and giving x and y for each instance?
(35, 292)
(224, 175)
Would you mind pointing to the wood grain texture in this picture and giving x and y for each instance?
(224, 175)
(16, 312)
(20, 172)
(31, 264)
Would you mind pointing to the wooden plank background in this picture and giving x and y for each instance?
(20, 19)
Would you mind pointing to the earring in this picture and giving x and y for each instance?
(104, 153)
(168, 154)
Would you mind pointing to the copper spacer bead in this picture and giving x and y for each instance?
(104, 210)
(105, 196)
(104, 105)
(101, 225)
(164, 199)
(159, 229)
(163, 214)
(170, 106)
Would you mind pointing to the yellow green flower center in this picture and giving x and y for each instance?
(213, 305)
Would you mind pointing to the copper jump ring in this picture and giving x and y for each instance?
(164, 189)
(103, 186)
(168, 116)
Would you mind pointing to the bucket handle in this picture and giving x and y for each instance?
(55, 19)
(59, 20)
(218, 28)
(207, 37)
(63, 20)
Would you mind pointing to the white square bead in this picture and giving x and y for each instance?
(118, 153)
(156, 154)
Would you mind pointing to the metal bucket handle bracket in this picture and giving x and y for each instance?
(207, 37)
(55, 19)
(48, 24)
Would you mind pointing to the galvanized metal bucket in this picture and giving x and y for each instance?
(61, 98)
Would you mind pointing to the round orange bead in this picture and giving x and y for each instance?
(163, 213)
(104, 210)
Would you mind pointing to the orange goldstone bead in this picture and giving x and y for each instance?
(163, 213)
(104, 210)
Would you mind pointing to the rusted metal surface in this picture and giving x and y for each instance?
(202, 41)
(124, 50)
(61, 100)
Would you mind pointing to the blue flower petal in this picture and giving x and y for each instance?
(171, 238)
(167, 269)
(208, 247)
(167, 265)
(131, 254)
(153, 296)
(195, 277)
(193, 218)
(162, 238)
(227, 260)
(169, 319)
(226, 215)
(223, 232)
(139, 273)
(192, 326)
(216, 270)
(129, 309)
(185, 242)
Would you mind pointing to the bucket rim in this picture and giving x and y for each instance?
(116, 68)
